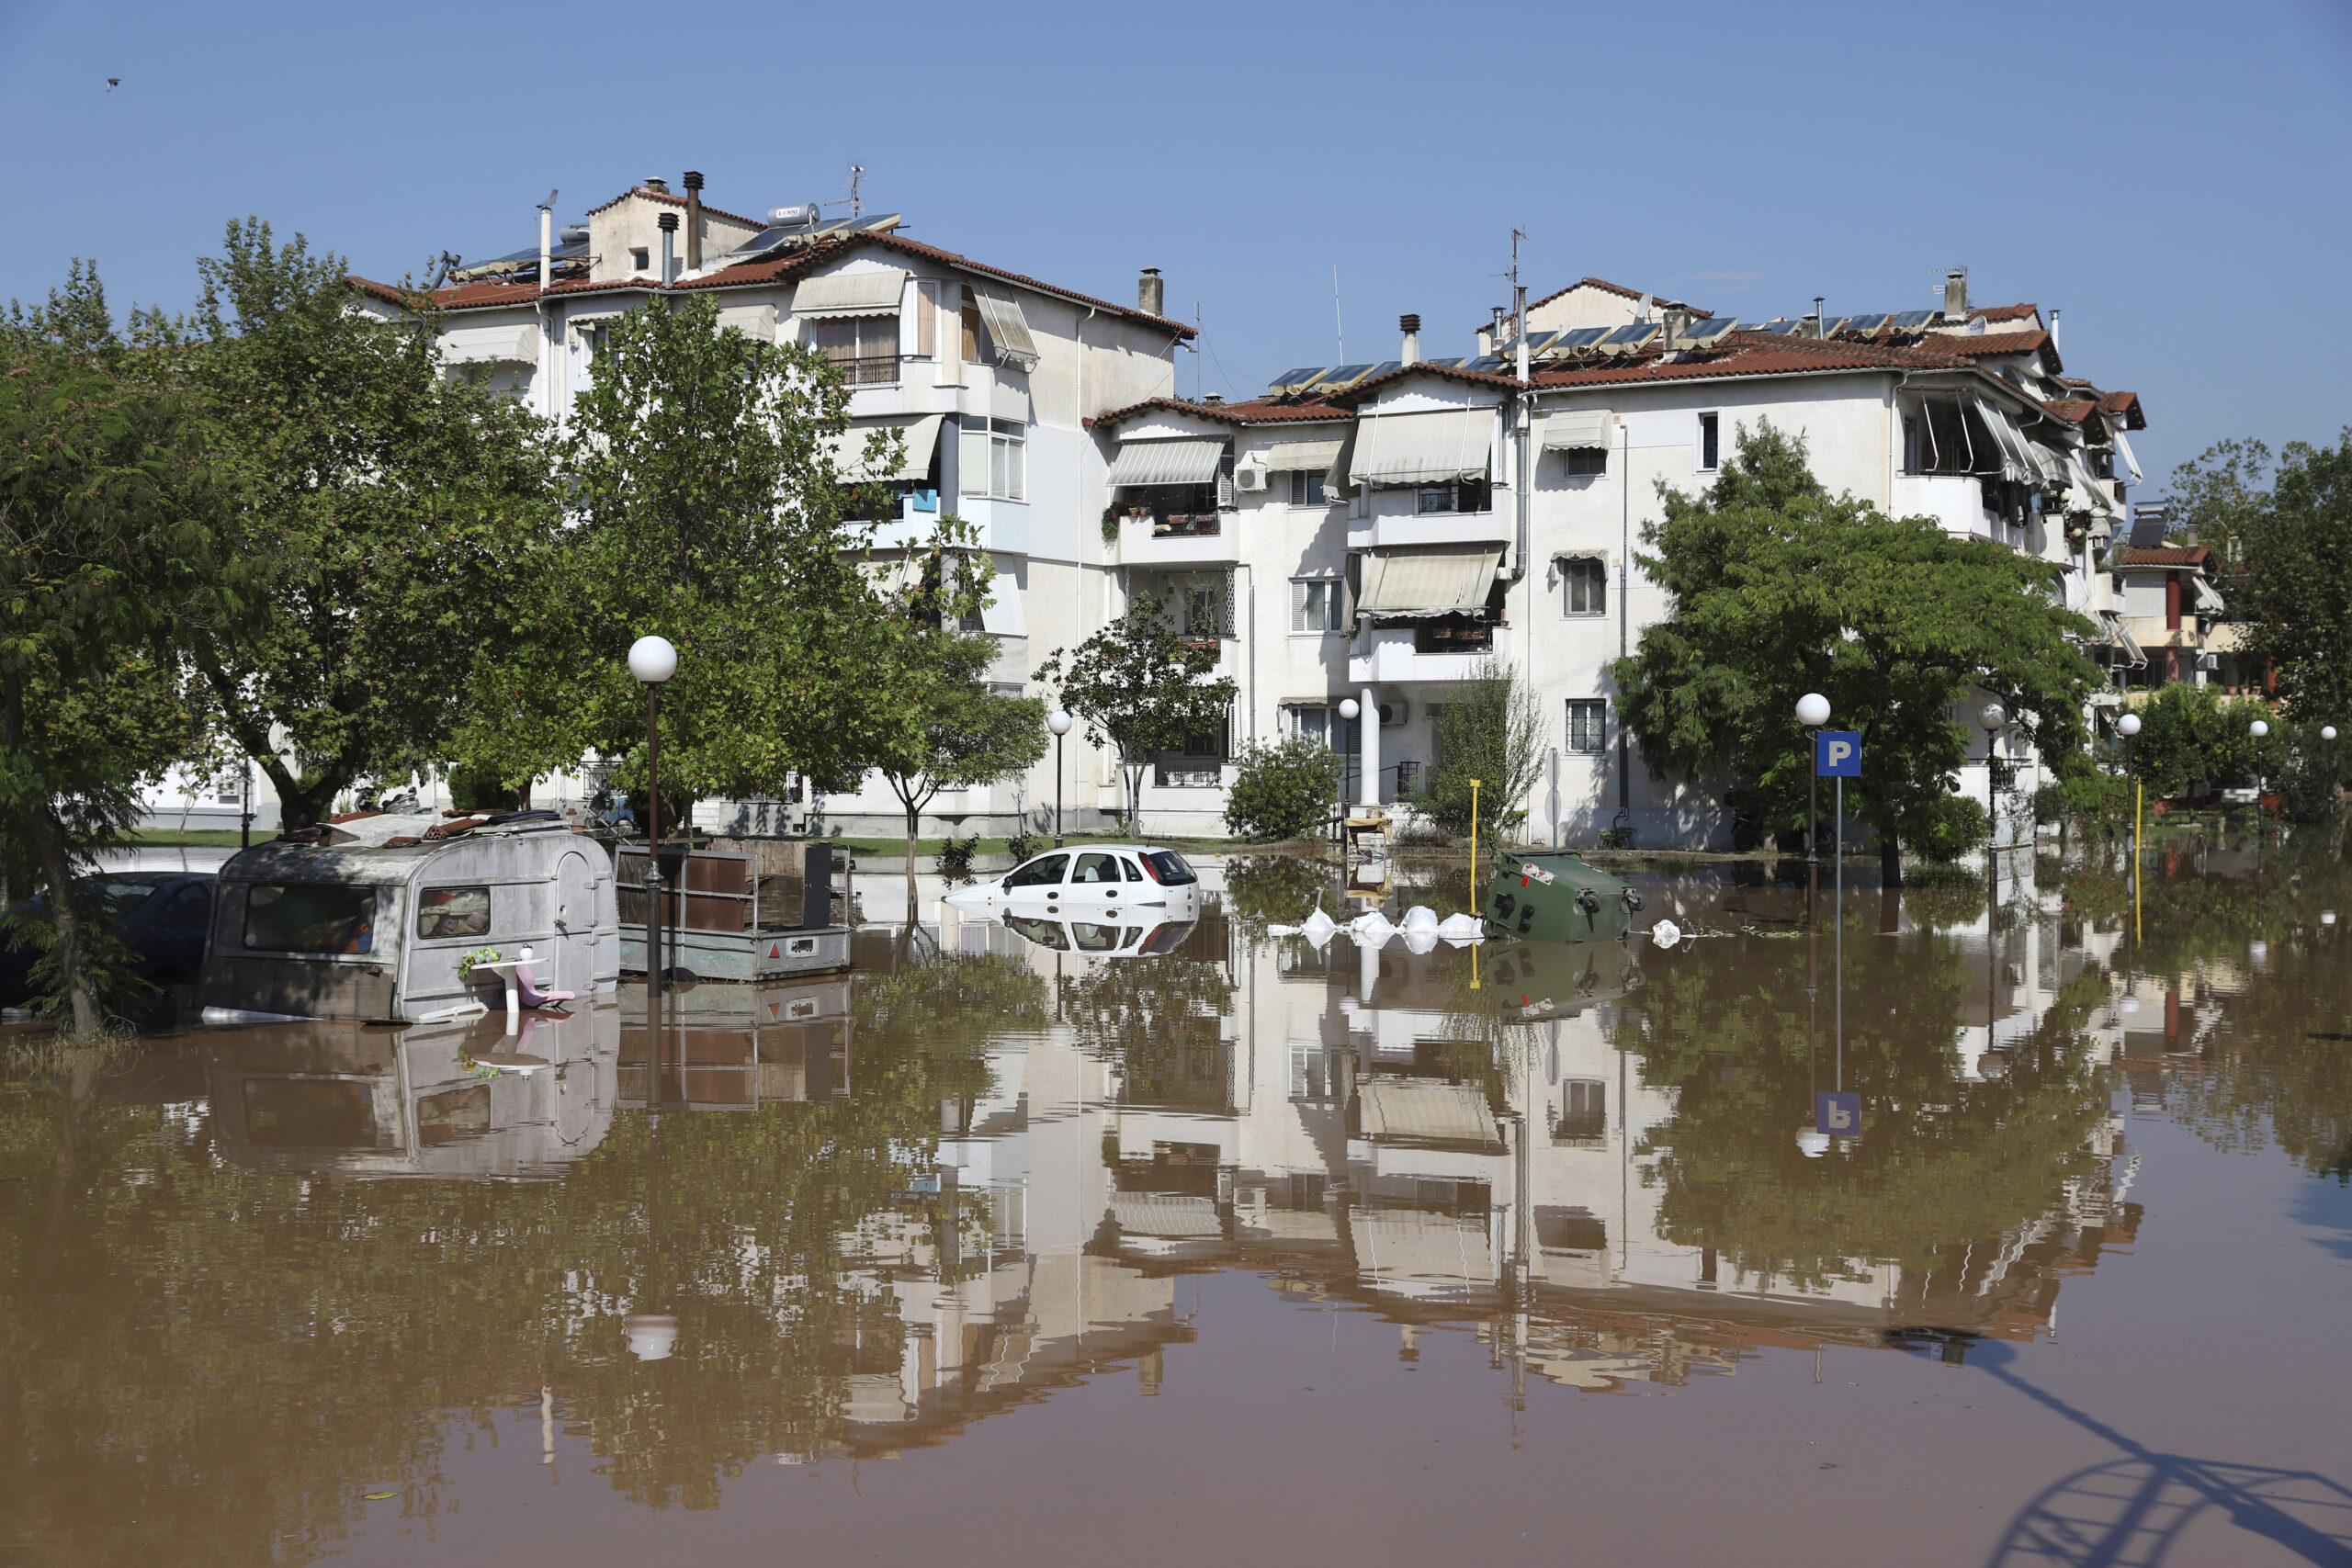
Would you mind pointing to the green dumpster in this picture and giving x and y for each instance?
(1553, 895)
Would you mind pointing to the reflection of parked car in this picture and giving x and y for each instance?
(1099, 939)
(159, 915)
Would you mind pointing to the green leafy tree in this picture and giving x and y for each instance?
(1140, 686)
(2294, 596)
(1282, 789)
(2219, 494)
(965, 735)
(707, 505)
(395, 517)
(2193, 734)
(1780, 589)
(110, 503)
(1489, 729)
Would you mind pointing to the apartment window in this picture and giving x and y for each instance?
(1585, 581)
(1203, 612)
(1588, 724)
(1454, 495)
(864, 348)
(994, 458)
(1319, 604)
(1709, 440)
(1584, 1108)
(1315, 1078)
(1325, 724)
(1306, 489)
(975, 337)
(640, 259)
(1585, 461)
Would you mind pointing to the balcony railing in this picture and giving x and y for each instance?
(869, 370)
(1187, 525)
(1453, 637)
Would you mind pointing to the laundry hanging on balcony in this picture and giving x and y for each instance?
(1436, 579)
(1182, 461)
(1430, 447)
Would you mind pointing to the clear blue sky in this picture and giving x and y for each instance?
(2176, 178)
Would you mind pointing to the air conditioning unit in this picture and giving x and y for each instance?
(1392, 714)
(1252, 479)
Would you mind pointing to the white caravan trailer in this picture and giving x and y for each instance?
(373, 925)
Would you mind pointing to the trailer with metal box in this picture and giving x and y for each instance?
(1553, 895)
(742, 909)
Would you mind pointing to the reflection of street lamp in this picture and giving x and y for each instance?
(1058, 722)
(2258, 729)
(652, 660)
(1812, 712)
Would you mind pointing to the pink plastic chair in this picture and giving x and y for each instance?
(527, 984)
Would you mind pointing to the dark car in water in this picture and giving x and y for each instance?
(159, 915)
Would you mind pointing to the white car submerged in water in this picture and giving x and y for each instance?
(1095, 883)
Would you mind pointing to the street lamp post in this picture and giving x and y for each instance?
(652, 660)
(2257, 729)
(2127, 726)
(1990, 718)
(1058, 722)
(1812, 712)
(1349, 708)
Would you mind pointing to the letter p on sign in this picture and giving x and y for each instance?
(1838, 753)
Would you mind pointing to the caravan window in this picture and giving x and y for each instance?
(453, 911)
(305, 916)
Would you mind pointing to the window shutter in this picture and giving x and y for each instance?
(1225, 492)
(1226, 618)
(927, 319)
(1349, 588)
(1298, 606)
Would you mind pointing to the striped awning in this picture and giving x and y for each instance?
(1429, 448)
(1302, 457)
(921, 432)
(872, 293)
(1436, 579)
(1429, 1112)
(1580, 430)
(1165, 1213)
(1181, 461)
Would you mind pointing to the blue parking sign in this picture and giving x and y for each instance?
(1838, 753)
(1839, 1115)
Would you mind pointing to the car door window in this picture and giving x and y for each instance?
(1092, 938)
(1132, 872)
(1045, 871)
(1096, 869)
(188, 910)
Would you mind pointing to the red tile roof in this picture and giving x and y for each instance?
(1975, 343)
(792, 264)
(2072, 411)
(1257, 411)
(2009, 312)
(678, 202)
(2126, 407)
(2191, 555)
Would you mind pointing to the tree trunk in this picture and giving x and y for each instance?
(57, 871)
(1890, 861)
(914, 821)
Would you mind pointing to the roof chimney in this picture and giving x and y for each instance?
(656, 183)
(693, 221)
(1956, 294)
(1151, 293)
(668, 224)
(1410, 325)
(2053, 329)
(1677, 318)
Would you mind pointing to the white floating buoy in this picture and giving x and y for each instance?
(1459, 928)
(1420, 918)
(1318, 928)
(1666, 933)
(1420, 941)
(1372, 929)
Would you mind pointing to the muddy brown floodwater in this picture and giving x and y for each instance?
(1000, 1251)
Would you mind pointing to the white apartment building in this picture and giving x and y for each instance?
(1374, 530)
(992, 377)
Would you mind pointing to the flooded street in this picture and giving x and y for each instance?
(1015, 1246)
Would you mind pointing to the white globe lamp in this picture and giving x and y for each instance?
(1813, 710)
(652, 659)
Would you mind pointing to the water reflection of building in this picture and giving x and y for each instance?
(1365, 1128)
(460, 1099)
